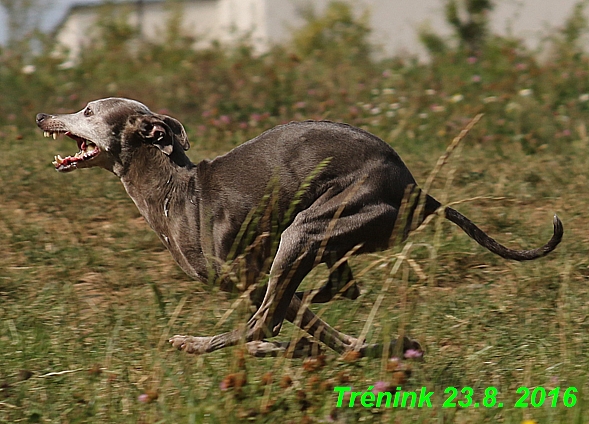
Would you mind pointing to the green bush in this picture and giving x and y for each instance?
(334, 36)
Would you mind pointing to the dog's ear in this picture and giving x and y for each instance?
(160, 131)
(177, 129)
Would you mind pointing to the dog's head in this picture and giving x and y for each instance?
(108, 131)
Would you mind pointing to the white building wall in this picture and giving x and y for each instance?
(74, 33)
(395, 23)
(199, 19)
(243, 18)
(283, 16)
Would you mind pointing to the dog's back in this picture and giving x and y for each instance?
(333, 154)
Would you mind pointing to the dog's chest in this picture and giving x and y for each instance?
(174, 218)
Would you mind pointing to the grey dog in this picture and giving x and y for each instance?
(337, 190)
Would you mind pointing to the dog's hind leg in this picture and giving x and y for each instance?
(320, 330)
(324, 229)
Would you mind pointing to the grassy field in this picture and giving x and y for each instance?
(89, 296)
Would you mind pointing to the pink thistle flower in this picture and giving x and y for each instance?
(413, 354)
(381, 386)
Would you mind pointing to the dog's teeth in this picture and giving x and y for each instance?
(46, 134)
(54, 136)
(90, 148)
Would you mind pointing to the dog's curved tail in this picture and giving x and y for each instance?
(486, 241)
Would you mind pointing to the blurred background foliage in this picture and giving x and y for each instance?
(327, 70)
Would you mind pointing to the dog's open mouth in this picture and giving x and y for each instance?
(88, 151)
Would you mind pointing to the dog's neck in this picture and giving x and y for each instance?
(162, 189)
(149, 175)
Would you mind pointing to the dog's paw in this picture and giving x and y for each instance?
(190, 344)
(409, 349)
(303, 348)
(262, 348)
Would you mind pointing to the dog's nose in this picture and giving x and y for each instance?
(41, 117)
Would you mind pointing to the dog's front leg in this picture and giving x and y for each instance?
(200, 345)
(191, 344)
(291, 264)
(256, 329)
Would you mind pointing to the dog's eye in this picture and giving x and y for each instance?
(88, 112)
